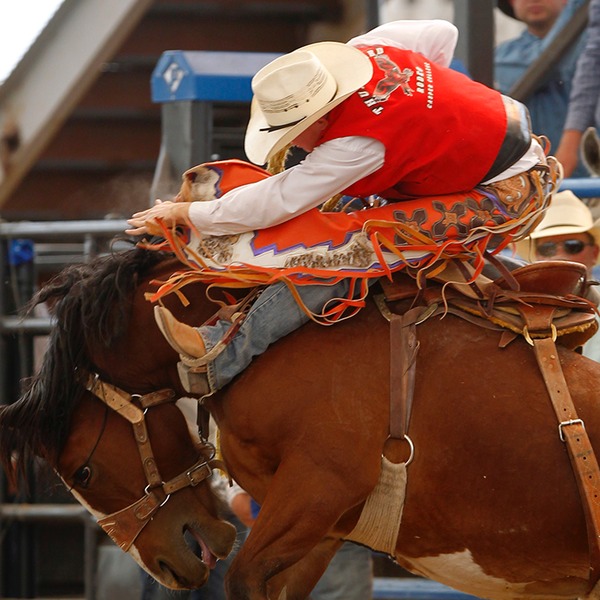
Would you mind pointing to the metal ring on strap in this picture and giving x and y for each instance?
(412, 450)
(553, 334)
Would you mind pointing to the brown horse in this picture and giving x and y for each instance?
(491, 506)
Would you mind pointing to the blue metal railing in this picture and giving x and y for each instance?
(585, 187)
(412, 588)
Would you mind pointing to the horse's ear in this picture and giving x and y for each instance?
(211, 180)
(590, 151)
(188, 191)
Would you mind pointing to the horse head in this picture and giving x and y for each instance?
(160, 494)
(134, 459)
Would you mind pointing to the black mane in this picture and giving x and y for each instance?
(90, 304)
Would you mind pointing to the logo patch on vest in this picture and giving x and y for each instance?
(396, 78)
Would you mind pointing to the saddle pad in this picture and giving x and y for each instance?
(364, 244)
(425, 234)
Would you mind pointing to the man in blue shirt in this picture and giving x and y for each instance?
(544, 20)
(584, 104)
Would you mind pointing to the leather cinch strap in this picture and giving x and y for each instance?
(403, 354)
(571, 428)
(572, 432)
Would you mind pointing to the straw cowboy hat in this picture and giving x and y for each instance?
(296, 90)
(506, 7)
(567, 214)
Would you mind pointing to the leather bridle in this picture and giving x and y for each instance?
(125, 525)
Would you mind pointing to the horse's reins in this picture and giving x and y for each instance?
(125, 525)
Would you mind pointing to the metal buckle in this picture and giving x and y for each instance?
(571, 422)
(149, 489)
(191, 474)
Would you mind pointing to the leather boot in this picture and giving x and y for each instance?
(181, 337)
(187, 341)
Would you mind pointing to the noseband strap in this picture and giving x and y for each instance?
(125, 525)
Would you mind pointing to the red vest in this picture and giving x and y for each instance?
(441, 130)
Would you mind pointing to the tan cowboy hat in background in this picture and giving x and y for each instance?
(506, 7)
(566, 214)
(296, 90)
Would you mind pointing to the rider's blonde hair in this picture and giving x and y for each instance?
(276, 165)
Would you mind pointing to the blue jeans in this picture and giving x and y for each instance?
(273, 315)
(349, 575)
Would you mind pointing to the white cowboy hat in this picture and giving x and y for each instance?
(567, 214)
(296, 90)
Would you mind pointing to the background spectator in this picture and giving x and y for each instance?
(544, 20)
(584, 104)
(568, 232)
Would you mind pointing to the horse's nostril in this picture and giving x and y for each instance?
(165, 567)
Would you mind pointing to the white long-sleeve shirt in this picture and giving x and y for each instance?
(334, 165)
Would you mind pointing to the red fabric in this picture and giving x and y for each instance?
(428, 221)
(434, 230)
(442, 131)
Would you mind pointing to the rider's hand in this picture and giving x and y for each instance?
(171, 213)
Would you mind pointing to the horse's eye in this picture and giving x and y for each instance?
(82, 476)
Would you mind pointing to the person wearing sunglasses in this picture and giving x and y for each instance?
(568, 231)
(577, 246)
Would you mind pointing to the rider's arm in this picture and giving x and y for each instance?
(327, 170)
(435, 39)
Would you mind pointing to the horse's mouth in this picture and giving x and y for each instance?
(198, 553)
(192, 571)
(206, 554)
